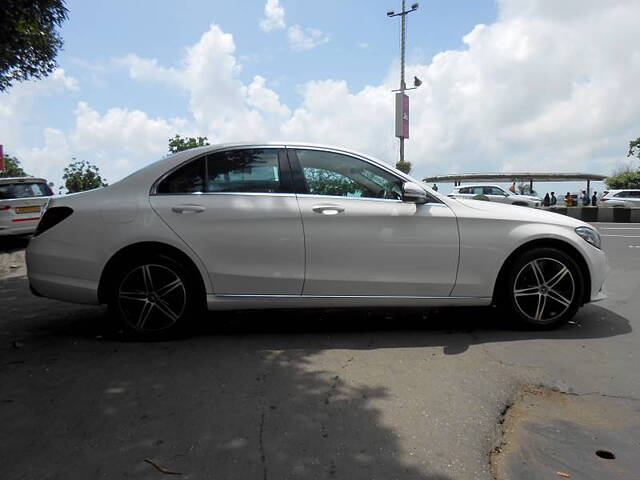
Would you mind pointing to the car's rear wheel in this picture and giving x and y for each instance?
(544, 288)
(153, 296)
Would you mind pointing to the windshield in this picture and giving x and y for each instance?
(24, 190)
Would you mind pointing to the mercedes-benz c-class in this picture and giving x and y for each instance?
(261, 225)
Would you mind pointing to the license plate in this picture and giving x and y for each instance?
(28, 209)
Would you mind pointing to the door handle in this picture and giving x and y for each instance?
(328, 209)
(188, 208)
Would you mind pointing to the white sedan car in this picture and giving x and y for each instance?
(252, 226)
(495, 193)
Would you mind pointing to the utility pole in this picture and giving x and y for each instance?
(402, 100)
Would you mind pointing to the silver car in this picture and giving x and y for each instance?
(21, 202)
(494, 193)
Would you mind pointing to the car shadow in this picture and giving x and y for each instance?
(13, 244)
(242, 397)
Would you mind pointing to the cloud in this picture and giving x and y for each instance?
(305, 39)
(273, 16)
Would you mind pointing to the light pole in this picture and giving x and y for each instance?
(402, 100)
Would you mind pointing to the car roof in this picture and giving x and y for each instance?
(5, 180)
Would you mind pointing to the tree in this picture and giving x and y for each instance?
(178, 143)
(625, 177)
(12, 168)
(404, 166)
(29, 39)
(82, 175)
(634, 148)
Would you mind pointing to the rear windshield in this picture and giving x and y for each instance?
(24, 190)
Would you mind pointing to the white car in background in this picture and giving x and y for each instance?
(267, 225)
(621, 198)
(494, 193)
(21, 202)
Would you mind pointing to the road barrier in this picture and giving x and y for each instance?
(599, 214)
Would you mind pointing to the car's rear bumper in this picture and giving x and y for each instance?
(8, 231)
(61, 271)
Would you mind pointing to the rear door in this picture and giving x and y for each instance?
(236, 210)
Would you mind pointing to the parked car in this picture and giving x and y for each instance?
(494, 193)
(255, 226)
(621, 198)
(21, 202)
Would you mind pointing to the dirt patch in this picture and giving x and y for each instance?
(549, 434)
(12, 263)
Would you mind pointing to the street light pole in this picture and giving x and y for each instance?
(402, 101)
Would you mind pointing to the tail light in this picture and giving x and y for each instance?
(5, 207)
(52, 217)
(604, 199)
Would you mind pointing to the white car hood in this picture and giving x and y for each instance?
(478, 208)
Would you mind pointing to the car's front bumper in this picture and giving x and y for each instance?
(599, 270)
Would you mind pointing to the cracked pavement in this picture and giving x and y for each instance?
(352, 394)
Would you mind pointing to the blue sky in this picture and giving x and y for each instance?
(508, 85)
(99, 31)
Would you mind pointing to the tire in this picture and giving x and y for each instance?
(153, 297)
(544, 289)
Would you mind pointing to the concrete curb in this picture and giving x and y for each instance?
(599, 214)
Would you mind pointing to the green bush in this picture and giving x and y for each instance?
(627, 178)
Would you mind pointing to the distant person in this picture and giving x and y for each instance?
(567, 199)
(547, 200)
(435, 187)
(554, 200)
(594, 199)
(585, 199)
(512, 188)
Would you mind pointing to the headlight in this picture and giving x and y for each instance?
(590, 236)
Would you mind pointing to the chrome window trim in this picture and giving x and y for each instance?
(154, 187)
(254, 194)
(339, 197)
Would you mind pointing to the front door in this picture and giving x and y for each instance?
(362, 239)
(236, 211)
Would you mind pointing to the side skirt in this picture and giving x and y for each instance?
(240, 302)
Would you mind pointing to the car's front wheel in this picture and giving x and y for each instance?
(152, 296)
(544, 288)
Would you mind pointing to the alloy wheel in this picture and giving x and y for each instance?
(152, 298)
(544, 289)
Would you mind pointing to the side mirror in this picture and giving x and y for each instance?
(413, 193)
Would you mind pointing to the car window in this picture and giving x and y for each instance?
(621, 194)
(495, 191)
(476, 190)
(24, 190)
(186, 179)
(634, 194)
(241, 171)
(250, 170)
(334, 174)
(463, 190)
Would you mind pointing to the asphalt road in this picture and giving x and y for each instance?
(356, 394)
